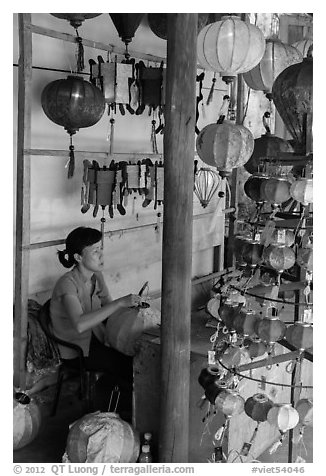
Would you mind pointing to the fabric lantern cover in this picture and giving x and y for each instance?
(229, 402)
(76, 19)
(302, 191)
(230, 46)
(276, 190)
(258, 406)
(213, 306)
(305, 409)
(101, 437)
(231, 357)
(206, 185)
(283, 416)
(252, 252)
(244, 323)
(26, 420)
(303, 46)
(225, 146)
(305, 258)
(300, 335)
(252, 187)
(279, 257)
(255, 347)
(277, 56)
(270, 330)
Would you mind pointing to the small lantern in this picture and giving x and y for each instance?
(279, 257)
(225, 146)
(209, 376)
(258, 406)
(255, 347)
(213, 306)
(230, 46)
(231, 357)
(300, 335)
(276, 190)
(302, 191)
(206, 185)
(229, 402)
(304, 408)
(270, 329)
(303, 46)
(252, 187)
(126, 24)
(244, 323)
(282, 236)
(213, 389)
(305, 258)
(228, 311)
(283, 416)
(239, 242)
(252, 252)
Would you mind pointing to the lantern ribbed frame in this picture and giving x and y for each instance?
(300, 335)
(283, 416)
(305, 409)
(277, 56)
(258, 406)
(270, 330)
(230, 402)
(252, 187)
(303, 46)
(230, 46)
(279, 257)
(206, 185)
(302, 191)
(276, 190)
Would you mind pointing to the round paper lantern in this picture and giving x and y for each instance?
(228, 311)
(244, 323)
(209, 375)
(276, 190)
(158, 23)
(252, 187)
(279, 257)
(230, 46)
(292, 95)
(225, 146)
(268, 148)
(258, 406)
(303, 46)
(277, 56)
(231, 357)
(75, 19)
(282, 236)
(26, 420)
(252, 252)
(229, 402)
(283, 416)
(300, 335)
(302, 191)
(102, 437)
(270, 330)
(304, 408)
(305, 258)
(255, 347)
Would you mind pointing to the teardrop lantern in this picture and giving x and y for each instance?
(303, 46)
(302, 191)
(258, 406)
(253, 186)
(300, 335)
(206, 185)
(72, 103)
(277, 56)
(225, 146)
(292, 94)
(276, 190)
(230, 46)
(126, 25)
(279, 257)
(283, 416)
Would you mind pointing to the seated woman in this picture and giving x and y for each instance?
(80, 304)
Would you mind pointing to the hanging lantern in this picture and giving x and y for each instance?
(292, 95)
(209, 375)
(26, 420)
(282, 236)
(302, 191)
(231, 357)
(228, 311)
(305, 258)
(76, 19)
(303, 46)
(277, 56)
(270, 329)
(206, 184)
(230, 46)
(279, 257)
(255, 347)
(252, 187)
(244, 323)
(252, 252)
(258, 406)
(213, 389)
(300, 335)
(225, 146)
(229, 402)
(283, 416)
(158, 23)
(126, 25)
(213, 306)
(276, 190)
(72, 103)
(304, 408)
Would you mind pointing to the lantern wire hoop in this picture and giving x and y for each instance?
(281, 301)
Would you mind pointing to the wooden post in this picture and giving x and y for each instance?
(23, 199)
(179, 147)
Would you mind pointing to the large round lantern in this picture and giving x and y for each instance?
(279, 257)
(252, 252)
(244, 323)
(277, 56)
(26, 420)
(283, 416)
(302, 191)
(229, 402)
(230, 46)
(276, 190)
(270, 329)
(258, 406)
(255, 347)
(300, 335)
(305, 258)
(305, 409)
(282, 236)
(252, 187)
(303, 46)
(119, 442)
(292, 95)
(225, 146)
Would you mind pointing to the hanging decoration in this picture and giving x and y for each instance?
(255, 347)
(302, 191)
(258, 406)
(304, 408)
(282, 236)
(300, 335)
(72, 103)
(270, 329)
(284, 417)
(244, 323)
(276, 190)
(253, 186)
(279, 257)
(126, 25)
(252, 252)
(230, 46)
(207, 182)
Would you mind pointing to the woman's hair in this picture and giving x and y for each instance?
(76, 241)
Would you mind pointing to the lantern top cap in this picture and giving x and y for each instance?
(260, 397)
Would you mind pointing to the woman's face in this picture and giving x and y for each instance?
(92, 257)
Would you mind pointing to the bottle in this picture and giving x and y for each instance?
(145, 455)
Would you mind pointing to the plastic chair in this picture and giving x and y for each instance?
(87, 378)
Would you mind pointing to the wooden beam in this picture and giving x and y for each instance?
(179, 147)
(22, 200)
(86, 154)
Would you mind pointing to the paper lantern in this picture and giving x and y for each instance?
(213, 306)
(231, 357)
(126, 24)
(302, 191)
(26, 420)
(158, 23)
(270, 330)
(228, 312)
(277, 56)
(252, 187)
(282, 236)
(292, 95)
(75, 19)
(230, 46)
(279, 257)
(258, 406)
(255, 347)
(303, 46)
(102, 437)
(300, 335)
(283, 416)
(229, 402)
(225, 146)
(206, 185)
(305, 258)
(213, 389)
(252, 252)
(209, 375)
(304, 408)
(244, 323)
(276, 190)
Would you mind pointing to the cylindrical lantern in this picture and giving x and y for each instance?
(230, 46)
(26, 420)
(300, 335)
(283, 416)
(305, 409)
(303, 46)
(282, 236)
(255, 347)
(277, 56)
(206, 185)
(279, 257)
(305, 258)
(270, 330)
(252, 252)
(119, 442)
(276, 190)
(244, 323)
(258, 406)
(252, 187)
(225, 146)
(229, 402)
(267, 148)
(302, 191)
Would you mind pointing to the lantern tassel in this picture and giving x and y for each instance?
(153, 138)
(80, 53)
(71, 163)
(211, 91)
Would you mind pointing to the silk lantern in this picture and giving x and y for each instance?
(231, 357)
(229, 402)
(230, 46)
(270, 329)
(213, 389)
(209, 375)
(255, 347)
(304, 408)
(244, 323)
(276, 190)
(303, 46)
(228, 312)
(225, 146)
(277, 56)
(302, 191)
(300, 335)
(253, 186)
(126, 25)
(283, 416)
(282, 236)
(279, 257)
(26, 420)
(258, 406)
(206, 185)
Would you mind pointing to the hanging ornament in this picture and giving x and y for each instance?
(303, 46)
(228, 311)
(258, 406)
(282, 236)
(126, 25)
(229, 402)
(206, 185)
(72, 103)
(158, 23)
(244, 323)
(276, 190)
(230, 46)
(302, 191)
(213, 389)
(253, 186)
(279, 257)
(283, 416)
(255, 347)
(225, 146)
(300, 335)
(231, 357)
(252, 253)
(304, 408)
(305, 258)
(277, 56)
(270, 329)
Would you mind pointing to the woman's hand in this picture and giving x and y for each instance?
(130, 300)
